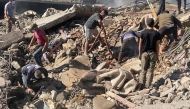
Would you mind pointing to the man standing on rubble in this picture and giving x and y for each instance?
(168, 24)
(179, 6)
(148, 53)
(9, 15)
(32, 71)
(128, 44)
(42, 41)
(90, 27)
(161, 8)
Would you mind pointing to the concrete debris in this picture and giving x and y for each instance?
(101, 103)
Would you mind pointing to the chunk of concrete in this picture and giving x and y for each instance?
(2, 82)
(77, 68)
(28, 35)
(165, 93)
(102, 65)
(16, 65)
(61, 54)
(184, 80)
(10, 38)
(102, 103)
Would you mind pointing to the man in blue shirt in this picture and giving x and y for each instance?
(9, 15)
(32, 71)
(128, 43)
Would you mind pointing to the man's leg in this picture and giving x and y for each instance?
(175, 35)
(38, 55)
(88, 34)
(161, 7)
(152, 63)
(122, 50)
(178, 6)
(184, 6)
(8, 26)
(144, 67)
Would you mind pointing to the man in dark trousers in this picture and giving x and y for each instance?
(31, 71)
(90, 27)
(161, 8)
(128, 44)
(179, 6)
(168, 24)
(148, 53)
(42, 41)
(9, 15)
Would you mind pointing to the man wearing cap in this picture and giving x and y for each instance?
(9, 15)
(128, 44)
(42, 41)
(168, 24)
(90, 27)
(32, 71)
(148, 53)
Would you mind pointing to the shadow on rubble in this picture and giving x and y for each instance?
(174, 75)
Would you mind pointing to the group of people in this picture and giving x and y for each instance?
(161, 8)
(148, 41)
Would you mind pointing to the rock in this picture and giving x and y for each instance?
(14, 46)
(102, 103)
(28, 35)
(2, 82)
(102, 66)
(61, 54)
(165, 93)
(184, 80)
(154, 92)
(61, 96)
(170, 98)
(16, 65)
(77, 68)
(8, 39)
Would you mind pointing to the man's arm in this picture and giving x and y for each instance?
(46, 43)
(32, 41)
(102, 27)
(157, 49)
(176, 21)
(5, 12)
(140, 48)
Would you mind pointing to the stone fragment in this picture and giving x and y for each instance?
(120, 99)
(165, 93)
(16, 65)
(102, 103)
(61, 96)
(2, 82)
(8, 39)
(102, 66)
(28, 35)
(14, 46)
(170, 98)
(61, 54)
(184, 80)
(154, 92)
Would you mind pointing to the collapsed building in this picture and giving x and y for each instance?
(81, 82)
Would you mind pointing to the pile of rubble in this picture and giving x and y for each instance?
(94, 81)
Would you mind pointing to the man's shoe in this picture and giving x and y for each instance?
(177, 13)
(184, 11)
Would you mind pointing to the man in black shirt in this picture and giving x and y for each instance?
(148, 53)
(90, 27)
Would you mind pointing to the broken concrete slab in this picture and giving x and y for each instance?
(102, 103)
(28, 35)
(10, 38)
(77, 68)
(102, 65)
(120, 99)
(162, 94)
